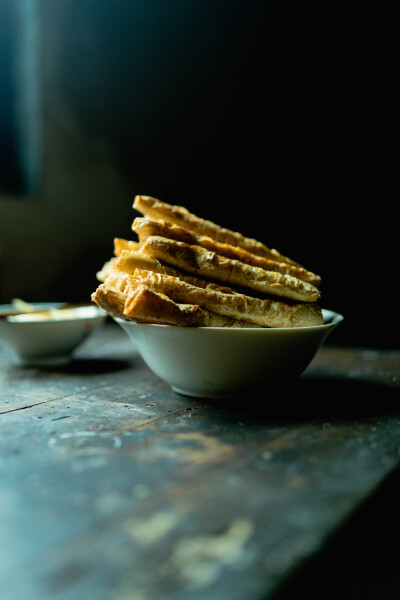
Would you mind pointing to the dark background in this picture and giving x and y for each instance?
(271, 118)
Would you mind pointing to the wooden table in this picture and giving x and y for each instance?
(113, 487)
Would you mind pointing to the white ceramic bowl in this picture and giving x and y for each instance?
(221, 362)
(50, 341)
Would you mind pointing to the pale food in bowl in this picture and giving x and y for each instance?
(48, 334)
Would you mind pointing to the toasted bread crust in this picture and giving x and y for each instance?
(262, 312)
(111, 300)
(201, 262)
(129, 261)
(145, 227)
(106, 269)
(144, 305)
(149, 306)
(179, 215)
(122, 244)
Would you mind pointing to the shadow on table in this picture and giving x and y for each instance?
(361, 560)
(306, 398)
(90, 366)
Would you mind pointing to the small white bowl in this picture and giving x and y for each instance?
(49, 341)
(223, 362)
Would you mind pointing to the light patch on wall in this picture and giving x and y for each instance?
(20, 174)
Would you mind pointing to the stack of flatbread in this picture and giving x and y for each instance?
(186, 271)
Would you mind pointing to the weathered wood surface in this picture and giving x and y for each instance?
(113, 487)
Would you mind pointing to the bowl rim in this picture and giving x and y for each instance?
(331, 320)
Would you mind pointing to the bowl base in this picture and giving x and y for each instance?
(209, 395)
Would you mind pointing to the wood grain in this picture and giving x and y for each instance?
(114, 487)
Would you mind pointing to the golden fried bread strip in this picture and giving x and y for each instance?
(129, 261)
(143, 305)
(179, 215)
(200, 261)
(122, 244)
(106, 269)
(119, 246)
(111, 300)
(261, 312)
(117, 280)
(149, 306)
(145, 227)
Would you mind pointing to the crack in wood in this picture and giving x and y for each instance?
(56, 399)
